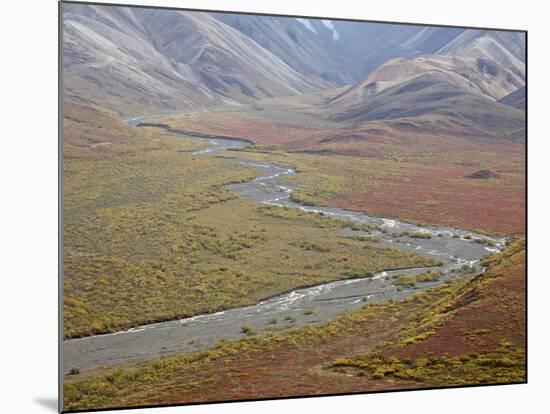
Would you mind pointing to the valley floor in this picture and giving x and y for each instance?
(469, 332)
(153, 234)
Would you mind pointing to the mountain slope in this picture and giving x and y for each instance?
(457, 91)
(507, 48)
(371, 44)
(129, 59)
(342, 52)
(303, 46)
(515, 99)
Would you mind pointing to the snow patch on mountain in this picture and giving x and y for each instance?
(328, 24)
(307, 25)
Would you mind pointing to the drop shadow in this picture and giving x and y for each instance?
(49, 403)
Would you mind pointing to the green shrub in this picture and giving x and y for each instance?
(485, 242)
(421, 235)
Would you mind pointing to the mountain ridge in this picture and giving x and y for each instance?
(134, 60)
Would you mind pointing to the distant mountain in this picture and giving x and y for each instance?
(305, 45)
(515, 99)
(132, 59)
(371, 44)
(462, 92)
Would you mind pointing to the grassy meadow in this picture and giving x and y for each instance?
(415, 188)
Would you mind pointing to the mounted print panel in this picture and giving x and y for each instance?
(259, 206)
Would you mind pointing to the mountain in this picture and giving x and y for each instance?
(478, 76)
(130, 59)
(515, 99)
(304, 45)
(342, 52)
(506, 48)
(346, 51)
(372, 44)
(462, 92)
